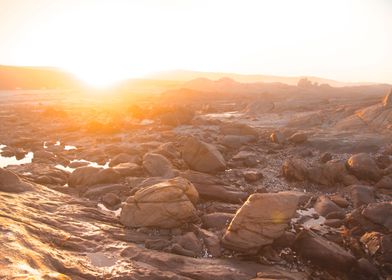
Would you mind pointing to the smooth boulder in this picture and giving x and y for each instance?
(261, 219)
(203, 157)
(323, 252)
(363, 167)
(10, 182)
(157, 165)
(168, 204)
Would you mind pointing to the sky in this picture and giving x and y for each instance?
(103, 41)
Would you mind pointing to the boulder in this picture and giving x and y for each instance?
(260, 220)
(202, 157)
(168, 204)
(211, 188)
(157, 165)
(124, 158)
(216, 220)
(378, 245)
(325, 206)
(189, 242)
(10, 182)
(84, 177)
(298, 138)
(364, 167)
(361, 195)
(323, 252)
(278, 137)
(379, 213)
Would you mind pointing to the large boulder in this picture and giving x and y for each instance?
(157, 165)
(362, 195)
(363, 167)
(260, 220)
(379, 213)
(10, 182)
(84, 177)
(168, 204)
(323, 252)
(202, 157)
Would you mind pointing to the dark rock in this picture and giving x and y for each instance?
(158, 166)
(364, 167)
(362, 195)
(190, 242)
(110, 200)
(324, 206)
(252, 176)
(216, 220)
(278, 137)
(10, 182)
(379, 213)
(124, 158)
(294, 169)
(325, 157)
(322, 252)
(83, 177)
(298, 138)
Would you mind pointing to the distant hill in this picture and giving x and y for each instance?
(185, 75)
(14, 77)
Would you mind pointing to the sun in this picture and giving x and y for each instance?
(102, 77)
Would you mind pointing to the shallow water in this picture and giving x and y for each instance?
(90, 163)
(6, 161)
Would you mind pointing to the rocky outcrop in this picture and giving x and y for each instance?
(202, 157)
(164, 205)
(10, 182)
(261, 219)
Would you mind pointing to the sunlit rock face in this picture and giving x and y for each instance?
(164, 205)
(203, 157)
(261, 219)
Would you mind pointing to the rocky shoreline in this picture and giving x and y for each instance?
(276, 191)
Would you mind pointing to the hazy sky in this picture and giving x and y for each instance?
(101, 41)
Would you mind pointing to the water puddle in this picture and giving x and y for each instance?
(58, 143)
(6, 161)
(116, 213)
(308, 220)
(89, 163)
(225, 115)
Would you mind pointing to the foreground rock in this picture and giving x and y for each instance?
(322, 252)
(165, 205)
(10, 182)
(202, 157)
(261, 219)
